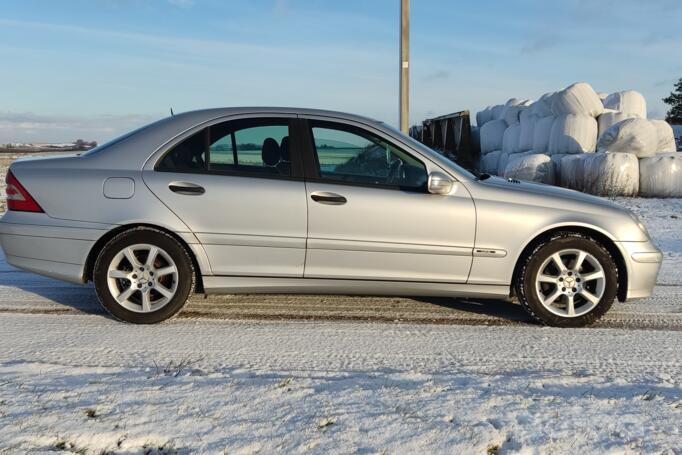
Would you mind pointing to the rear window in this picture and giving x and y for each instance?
(252, 146)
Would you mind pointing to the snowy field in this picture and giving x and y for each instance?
(249, 374)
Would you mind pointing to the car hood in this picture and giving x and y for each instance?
(548, 192)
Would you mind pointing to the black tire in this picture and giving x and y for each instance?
(185, 282)
(526, 284)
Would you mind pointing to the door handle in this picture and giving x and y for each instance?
(324, 197)
(186, 188)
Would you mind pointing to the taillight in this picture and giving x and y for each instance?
(18, 198)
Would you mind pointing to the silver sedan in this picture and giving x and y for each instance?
(277, 200)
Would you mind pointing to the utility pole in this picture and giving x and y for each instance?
(404, 65)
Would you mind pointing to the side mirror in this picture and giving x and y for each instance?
(440, 183)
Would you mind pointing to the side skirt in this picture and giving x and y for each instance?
(265, 285)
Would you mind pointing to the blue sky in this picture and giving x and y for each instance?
(96, 68)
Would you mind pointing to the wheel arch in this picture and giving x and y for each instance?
(590, 232)
(89, 267)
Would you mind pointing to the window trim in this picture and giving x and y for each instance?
(296, 151)
(312, 164)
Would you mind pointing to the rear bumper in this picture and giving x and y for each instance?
(40, 244)
(643, 261)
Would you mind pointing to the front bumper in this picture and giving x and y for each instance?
(55, 248)
(642, 261)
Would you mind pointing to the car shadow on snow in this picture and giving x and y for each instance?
(24, 292)
(483, 310)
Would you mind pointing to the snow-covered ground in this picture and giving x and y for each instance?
(233, 376)
(88, 384)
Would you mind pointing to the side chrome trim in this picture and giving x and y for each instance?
(251, 240)
(258, 285)
(386, 247)
(489, 253)
(648, 257)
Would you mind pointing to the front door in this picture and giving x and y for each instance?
(370, 216)
(237, 185)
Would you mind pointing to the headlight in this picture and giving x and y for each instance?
(640, 225)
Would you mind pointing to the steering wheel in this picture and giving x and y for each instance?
(396, 172)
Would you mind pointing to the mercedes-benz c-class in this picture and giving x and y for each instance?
(278, 200)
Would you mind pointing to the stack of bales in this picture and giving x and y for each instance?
(597, 143)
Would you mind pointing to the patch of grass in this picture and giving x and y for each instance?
(285, 383)
(326, 422)
(90, 413)
(493, 449)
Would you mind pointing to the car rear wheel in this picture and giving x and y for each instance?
(568, 281)
(143, 276)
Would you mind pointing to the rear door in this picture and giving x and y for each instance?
(238, 186)
(370, 215)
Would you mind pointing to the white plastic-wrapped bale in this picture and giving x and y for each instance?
(572, 171)
(611, 174)
(543, 106)
(628, 102)
(665, 135)
(661, 175)
(578, 99)
(609, 118)
(556, 159)
(573, 134)
(633, 135)
(484, 116)
(531, 167)
(510, 139)
(510, 114)
(496, 112)
(541, 134)
(527, 122)
(502, 163)
(491, 135)
(490, 161)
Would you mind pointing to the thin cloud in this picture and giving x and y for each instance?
(540, 44)
(30, 127)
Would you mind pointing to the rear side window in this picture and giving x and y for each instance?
(349, 154)
(259, 146)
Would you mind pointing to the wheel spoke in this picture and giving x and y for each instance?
(547, 278)
(570, 306)
(151, 257)
(579, 261)
(559, 263)
(589, 296)
(130, 255)
(166, 270)
(593, 276)
(552, 297)
(118, 274)
(146, 304)
(161, 289)
(123, 296)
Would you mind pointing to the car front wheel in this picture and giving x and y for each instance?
(569, 281)
(143, 276)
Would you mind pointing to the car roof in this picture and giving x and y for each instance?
(207, 114)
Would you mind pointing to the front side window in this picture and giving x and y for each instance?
(259, 146)
(349, 154)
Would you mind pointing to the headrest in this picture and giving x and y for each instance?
(270, 152)
(284, 149)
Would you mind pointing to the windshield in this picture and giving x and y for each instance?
(428, 151)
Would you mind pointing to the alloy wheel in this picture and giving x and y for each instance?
(570, 283)
(142, 278)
